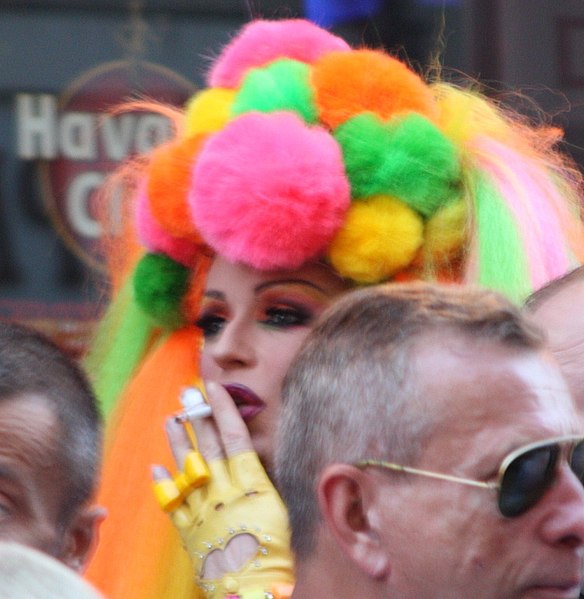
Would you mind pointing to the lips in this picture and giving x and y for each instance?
(247, 402)
(557, 590)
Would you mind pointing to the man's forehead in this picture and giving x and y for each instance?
(29, 418)
(469, 379)
(562, 318)
(562, 314)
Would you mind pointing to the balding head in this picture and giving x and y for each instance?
(559, 309)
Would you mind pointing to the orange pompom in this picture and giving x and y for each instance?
(169, 180)
(347, 83)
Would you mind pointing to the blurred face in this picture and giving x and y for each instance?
(451, 539)
(562, 317)
(30, 498)
(253, 323)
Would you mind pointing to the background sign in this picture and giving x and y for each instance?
(77, 142)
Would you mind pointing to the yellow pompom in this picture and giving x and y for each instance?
(446, 231)
(380, 237)
(208, 111)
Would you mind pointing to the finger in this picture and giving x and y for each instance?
(208, 440)
(247, 472)
(218, 486)
(232, 429)
(167, 494)
(196, 472)
(179, 441)
(160, 473)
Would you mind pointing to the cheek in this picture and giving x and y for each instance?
(455, 531)
(279, 352)
(209, 367)
(33, 531)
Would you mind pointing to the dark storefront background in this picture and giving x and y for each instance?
(63, 61)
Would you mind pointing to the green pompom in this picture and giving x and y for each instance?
(283, 85)
(408, 158)
(159, 286)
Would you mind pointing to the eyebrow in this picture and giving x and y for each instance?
(219, 295)
(268, 284)
(214, 294)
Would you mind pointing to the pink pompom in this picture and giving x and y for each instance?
(261, 42)
(154, 238)
(269, 191)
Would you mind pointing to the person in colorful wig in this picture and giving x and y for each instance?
(305, 168)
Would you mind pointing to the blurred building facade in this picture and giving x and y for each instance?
(63, 62)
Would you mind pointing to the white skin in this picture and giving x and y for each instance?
(439, 538)
(254, 323)
(31, 487)
(562, 317)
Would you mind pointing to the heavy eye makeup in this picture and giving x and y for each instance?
(280, 315)
(212, 319)
(278, 307)
(287, 306)
(287, 316)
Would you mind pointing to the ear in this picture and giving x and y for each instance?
(81, 536)
(347, 499)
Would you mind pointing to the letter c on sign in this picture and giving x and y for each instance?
(77, 204)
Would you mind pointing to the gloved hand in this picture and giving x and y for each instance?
(231, 520)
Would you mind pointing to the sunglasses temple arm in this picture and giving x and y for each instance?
(454, 479)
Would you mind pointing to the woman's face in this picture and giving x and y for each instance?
(254, 323)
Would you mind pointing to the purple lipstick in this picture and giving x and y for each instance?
(247, 402)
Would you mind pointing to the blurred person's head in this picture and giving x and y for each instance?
(26, 573)
(49, 448)
(559, 309)
(445, 381)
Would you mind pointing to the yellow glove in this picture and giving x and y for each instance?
(211, 513)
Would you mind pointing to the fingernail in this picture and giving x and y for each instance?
(158, 472)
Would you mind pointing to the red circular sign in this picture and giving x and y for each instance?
(86, 144)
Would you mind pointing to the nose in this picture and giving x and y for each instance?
(565, 522)
(234, 347)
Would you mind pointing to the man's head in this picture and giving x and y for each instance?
(445, 380)
(49, 448)
(559, 309)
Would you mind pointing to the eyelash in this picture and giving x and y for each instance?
(276, 318)
(284, 318)
(210, 324)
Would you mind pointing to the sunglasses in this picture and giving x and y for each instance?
(524, 475)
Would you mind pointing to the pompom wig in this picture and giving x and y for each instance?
(303, 149)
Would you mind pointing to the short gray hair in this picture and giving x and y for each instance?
(32, 363)
(349, 392)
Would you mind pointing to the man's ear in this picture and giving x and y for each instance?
(347, 499)
(81, 536)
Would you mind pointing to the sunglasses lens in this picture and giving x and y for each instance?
(528, 477)
(577, 461)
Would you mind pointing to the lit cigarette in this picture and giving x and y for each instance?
(194, 405)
